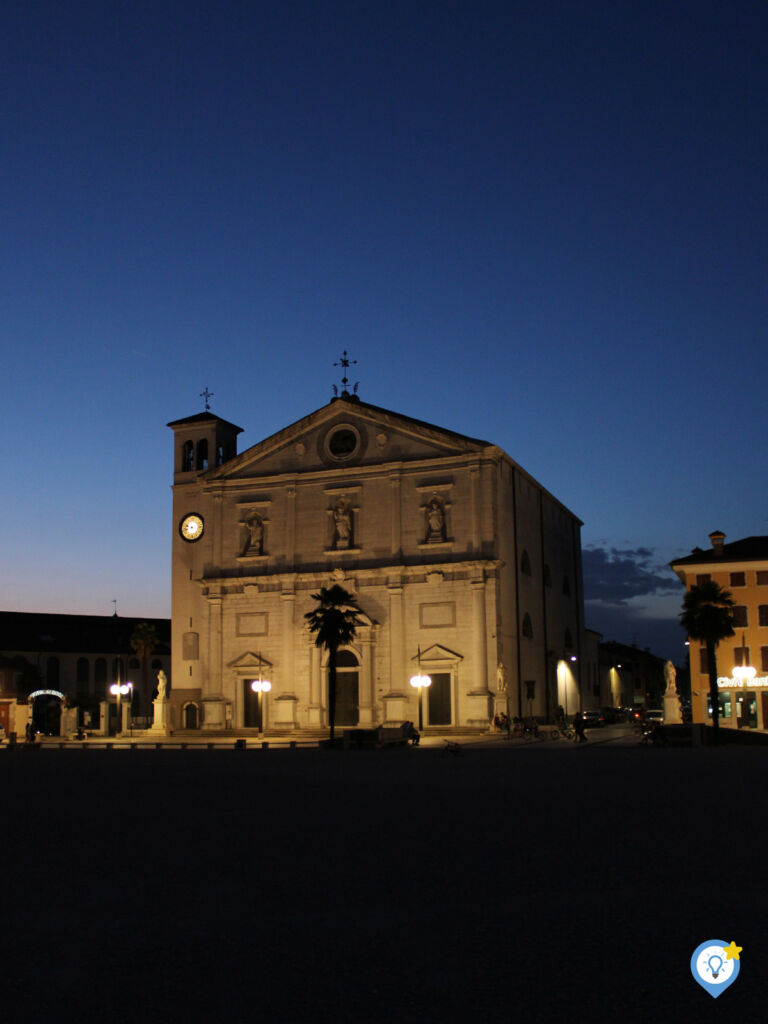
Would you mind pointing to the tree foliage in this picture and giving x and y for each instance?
(144, 640)
(334, 622)
(707, 616)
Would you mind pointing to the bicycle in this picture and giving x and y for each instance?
(452, 749)
(564, 730)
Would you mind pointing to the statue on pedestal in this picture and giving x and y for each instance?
(162, 687)
(672, 711)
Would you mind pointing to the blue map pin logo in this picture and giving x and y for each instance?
(715, 965)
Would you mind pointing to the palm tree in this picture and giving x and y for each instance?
(707, 617)
(335, 621)
(144, 640)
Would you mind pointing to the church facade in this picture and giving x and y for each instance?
(463, 566)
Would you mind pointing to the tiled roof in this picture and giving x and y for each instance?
(748, 549)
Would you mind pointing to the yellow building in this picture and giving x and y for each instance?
(463, 565)
(740, 567)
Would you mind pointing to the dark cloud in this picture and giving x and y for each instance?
(614, 576)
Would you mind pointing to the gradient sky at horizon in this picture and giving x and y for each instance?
(541, 224)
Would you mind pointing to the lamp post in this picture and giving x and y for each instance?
(420, 682)
(259, 687)
(120, 690)
(744, 673)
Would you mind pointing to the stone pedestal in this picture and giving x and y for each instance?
(479, 708)
(214, 713)
(672, 713)
(103, 718)
(315, 716)
(367, 716)
(397, 708)
(161, 724)
(68, 722)
(285, 711)
(125, 725)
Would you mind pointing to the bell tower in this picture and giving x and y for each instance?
(201, 442)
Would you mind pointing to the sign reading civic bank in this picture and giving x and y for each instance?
(731, 681)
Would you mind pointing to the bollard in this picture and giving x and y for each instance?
(239, 744)
(292, 745)
(265, 745)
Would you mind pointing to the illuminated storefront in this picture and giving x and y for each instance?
(741, 568)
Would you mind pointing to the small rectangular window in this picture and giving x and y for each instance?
(740, 616)
(762, 578)
(703, 661)
(762, 612)
(738, 579)
(740, 656)
(764, 659)
(703, 577)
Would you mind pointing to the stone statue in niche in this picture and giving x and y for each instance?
(435, 522)
(501, 678)
(254, 542)
(342, 525)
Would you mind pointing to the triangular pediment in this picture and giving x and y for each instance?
(250, 662)
(438, 653)
(345, 433)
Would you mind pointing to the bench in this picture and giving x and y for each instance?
(373, 739)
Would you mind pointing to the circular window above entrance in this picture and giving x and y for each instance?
(343, 442)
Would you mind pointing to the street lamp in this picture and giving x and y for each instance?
(260, 686)
(420, 682)
(120, 690)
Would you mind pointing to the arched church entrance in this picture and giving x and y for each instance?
(347, 689)
(190, 716)
(46, 711)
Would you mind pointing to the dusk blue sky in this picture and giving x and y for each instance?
(543, 224)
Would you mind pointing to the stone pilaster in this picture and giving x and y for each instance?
(315, 709)
(396, 699)
(479, 697)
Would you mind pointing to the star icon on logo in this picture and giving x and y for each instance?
(732, 951)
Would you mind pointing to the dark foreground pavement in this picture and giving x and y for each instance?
(559, 884)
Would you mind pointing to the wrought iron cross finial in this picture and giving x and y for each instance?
(345, 362)
(207, 395)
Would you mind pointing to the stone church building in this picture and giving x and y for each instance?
(461, 562)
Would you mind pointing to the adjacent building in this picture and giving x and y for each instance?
(740, 567)
(462, 563)
(71, 659)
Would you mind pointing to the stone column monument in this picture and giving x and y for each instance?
(672, 713)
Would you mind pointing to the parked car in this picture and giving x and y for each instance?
(611, 715)
(593, 719)
(655, 717)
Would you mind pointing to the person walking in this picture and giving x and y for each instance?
(578, 727)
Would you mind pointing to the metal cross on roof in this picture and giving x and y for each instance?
(345, 362)
(207, 395)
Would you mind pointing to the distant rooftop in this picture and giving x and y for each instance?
(76, 634)
(748, 549)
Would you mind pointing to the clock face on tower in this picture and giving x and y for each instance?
(191, 527)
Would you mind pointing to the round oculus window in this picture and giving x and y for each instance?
(343, 443)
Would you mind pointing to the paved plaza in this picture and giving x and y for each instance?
(528, 882)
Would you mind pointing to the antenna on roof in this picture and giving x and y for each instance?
(114, 605)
